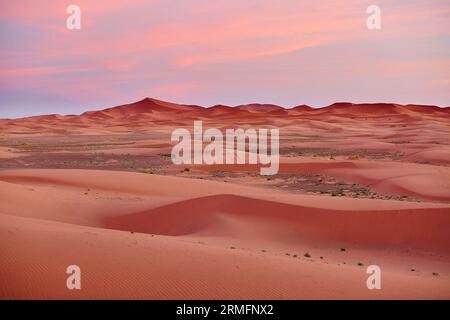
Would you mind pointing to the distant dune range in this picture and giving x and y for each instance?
(145, 115)
(359, 184)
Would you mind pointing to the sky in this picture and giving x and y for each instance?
(286, 52)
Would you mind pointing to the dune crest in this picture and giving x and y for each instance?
(139, 115)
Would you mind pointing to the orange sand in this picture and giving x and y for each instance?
(144, 236)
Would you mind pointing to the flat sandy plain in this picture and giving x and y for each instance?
(358, 185)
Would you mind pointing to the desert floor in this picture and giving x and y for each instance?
(352, 191)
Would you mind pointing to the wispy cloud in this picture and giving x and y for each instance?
(209, 52)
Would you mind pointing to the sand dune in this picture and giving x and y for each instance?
(119, 265)
(137, 116)
(359, 184)
(203, 239)
(220, 215)
(426, 182)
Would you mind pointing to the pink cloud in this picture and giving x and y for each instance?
(129, 47)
